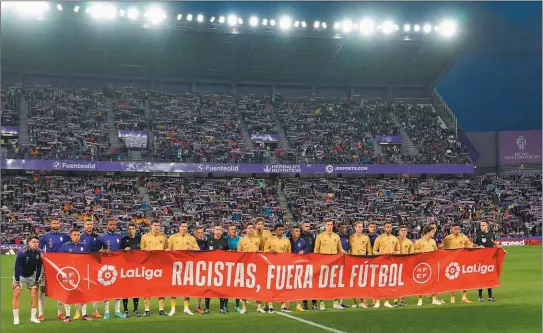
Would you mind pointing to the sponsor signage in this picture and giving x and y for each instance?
(16, 164)
(134, 139)
(519, 241)
(520, 147)
(388, 139)
(10, 249)
(265, 137)
(9, 129)
(84, 278)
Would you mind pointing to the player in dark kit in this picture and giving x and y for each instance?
(485, 238)
(217, 242)
(309, 239)
(131, 242)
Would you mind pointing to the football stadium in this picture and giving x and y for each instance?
(271, 167)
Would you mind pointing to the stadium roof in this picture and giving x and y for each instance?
(71, 45)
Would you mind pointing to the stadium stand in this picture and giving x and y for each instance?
(512, 204)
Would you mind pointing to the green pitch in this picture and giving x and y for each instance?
(518, 310)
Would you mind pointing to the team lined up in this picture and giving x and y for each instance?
(28, 267)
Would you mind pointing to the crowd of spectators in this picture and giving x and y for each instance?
(67, 124)
(195, 128)
(28, 201)
(511, 204)
(204, 202)
(326, 132)
(435, 142)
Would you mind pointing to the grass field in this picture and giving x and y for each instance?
(518, 310)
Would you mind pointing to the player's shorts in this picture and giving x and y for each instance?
(30, 281)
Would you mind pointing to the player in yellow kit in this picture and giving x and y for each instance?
(404, 246)
(261, 233)
(278, 244)
(457, 240)
(182, 241)
(427, 244)
(385, 244)
(154, 241)
(360, 245)
(328, 242)
(249, 243)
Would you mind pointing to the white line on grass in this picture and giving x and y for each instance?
(308, 322)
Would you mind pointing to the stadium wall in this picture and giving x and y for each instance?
(487, 146)
(179, 85)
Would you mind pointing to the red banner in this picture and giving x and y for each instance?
(83, 278)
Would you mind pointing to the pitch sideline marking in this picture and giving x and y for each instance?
(308, 322)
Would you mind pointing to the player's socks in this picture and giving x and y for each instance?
(207, 301)
(41, 303)
(83, 310)
(161, 304)
(221, 303)
(146, 304)
(480, 293)
(67, 310)
(117, 306)
(489, 293)
(136, 302)
(237, 303)
(33, 313)
(59, 307)
(185, 304)
(173, 303)
(94, 307)
(125, 304)
(225, 304)
(106, 307)
(16, 317)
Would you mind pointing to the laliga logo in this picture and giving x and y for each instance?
(521, 142)
(200, 167)
(107, 275)
(267, 168)
(329, 168)
(57, 165)
(452, 271)
(68, 277)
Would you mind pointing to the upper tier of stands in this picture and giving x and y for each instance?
(196, 128)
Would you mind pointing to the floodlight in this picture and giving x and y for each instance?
(337, 25)
(347, 26)
(189, 17)
(296, 24)
(232, 20)
(304, 24)
(316, 25)
(121, 12)
(240, 21)
(324, 26)
(406, 27)
(29, 9)
(253, 21)
(103, 11)
(272, 23)
(179, 17)
(427, 28)
(265, 22)
(155, 15)
(447, 28)
(417, 27)
(387, 27)
(59, 7)
(212, 19)
(76, 9)
(396, 27)
(367, 27)
(285, 23)
(133, 13)
(221, 19)
(200, 18)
